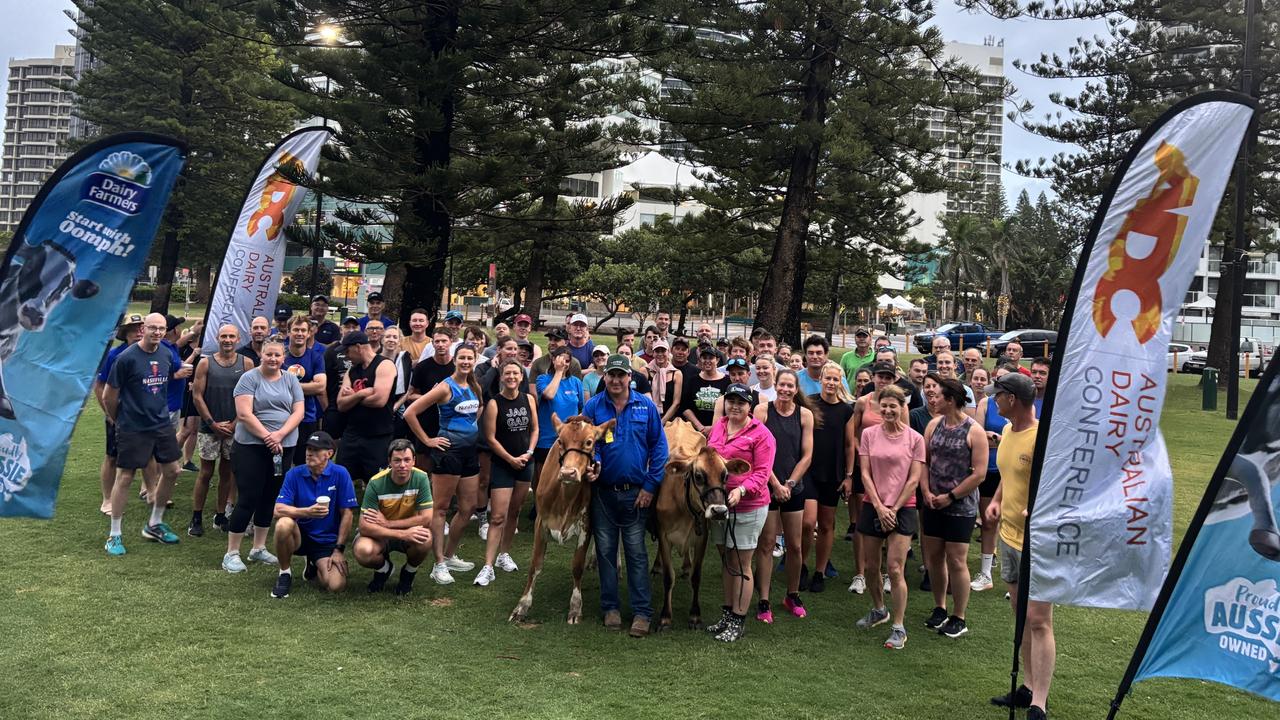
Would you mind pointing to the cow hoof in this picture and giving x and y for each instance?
(663, 625)
(518, 615)
(695, 623)
(575, 619)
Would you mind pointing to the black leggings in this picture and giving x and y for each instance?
(256, 485)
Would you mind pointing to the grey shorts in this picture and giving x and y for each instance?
(1010, 563)
(745, 527)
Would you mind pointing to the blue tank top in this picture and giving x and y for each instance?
(994, 422)
(458, 416)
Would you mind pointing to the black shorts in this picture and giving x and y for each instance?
(111, 438)
(869, 522)
(363, 456)
(460, 461)
(135, 449)
(503, 476)
(312, 550)
(800, 493)
(950, 528)
(989, 484)
(334, 422)
(826, 491)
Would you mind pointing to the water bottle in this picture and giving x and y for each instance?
(277, 464)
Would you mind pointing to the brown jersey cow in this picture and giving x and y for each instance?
(691, 497)
(564, 505)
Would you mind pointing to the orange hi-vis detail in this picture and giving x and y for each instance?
(275, 198)
(1157, 215)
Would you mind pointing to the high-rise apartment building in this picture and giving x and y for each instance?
(37, 122)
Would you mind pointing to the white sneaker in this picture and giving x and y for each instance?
(778, 548)
(981, 581)
(859, 585)
(457, 564)
(446, 529)
(485, 576)
(888, 584)
(264, 556)
(232, 563)
(505, 563)
(441, 575)
(484, 531)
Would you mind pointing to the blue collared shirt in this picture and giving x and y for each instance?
(635, 451)
(300, 490)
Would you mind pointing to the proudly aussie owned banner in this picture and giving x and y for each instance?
(249, 279)
(1100, 522)
(65, 280)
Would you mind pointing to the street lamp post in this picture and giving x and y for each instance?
(328, 35)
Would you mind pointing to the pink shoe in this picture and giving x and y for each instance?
(794, 604)
(764, 613)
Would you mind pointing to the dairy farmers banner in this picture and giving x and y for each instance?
(249, 279)
(66, 279)
(1100, 527)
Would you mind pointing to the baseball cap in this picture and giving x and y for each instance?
(356, 338)
(173, 321)
(706, 349)
(453, 315)
(737, 363)
(523, 318)
(578, 318)
(320, 440)
(677, 340)
(325, 298)
(722, 342)
(860, 331)
(351, 320)
(284, 312)
(601, 349)
(131, 319)
(884, 367)
(662, 344)
(524, 343)
(617, 362)
(738, 390)
(374, 296)
(556, 334)
(1016, 384)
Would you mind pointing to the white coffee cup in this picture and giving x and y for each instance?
(323, 500)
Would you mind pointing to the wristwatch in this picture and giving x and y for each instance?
(951, 495)
(342, 547)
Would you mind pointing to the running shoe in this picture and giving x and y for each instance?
(897, 639)
(284, 583)
(379, 580)
(794, 605)
(764, 613)
(859, 585)
(190, 467)
(1035, 712)
(817, 583)
(457, 564)
(715, 627)
(936, 619)
(1019, 699)
(877, 616)
(404, 585)
(161, 533)
(981, 582)
(954, 627)
(220, 522)
(114, 546)
(779, 548)
(232, 563)
(485, 576)
(440, 573)
(484, 531)
(263, 556)
(888, 584)
(831, 570)
(848, 534)
(505, 563)
(733, 631)
(311, 570)
(195, 529)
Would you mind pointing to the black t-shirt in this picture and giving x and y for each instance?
(640, 383)
(426, 375)
(919, 419)
(248, 351)
(700, 396)
(828, 441)
(336, 366)
(328, 333)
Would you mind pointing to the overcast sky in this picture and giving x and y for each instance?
(32, 27)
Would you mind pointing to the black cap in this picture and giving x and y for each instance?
(325, 298)
(320, 440)
(351, 320)
(722, 342)
(884, 367)
(738, 390)
(705, 349)
(557, 334)
(524, 343)
(173, 321)
(737, 363)
(284, 312)
(677, 340)
(356, 338)
(374, 296)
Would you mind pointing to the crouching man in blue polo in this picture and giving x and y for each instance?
(314, 514)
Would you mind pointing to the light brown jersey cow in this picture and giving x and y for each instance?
(564, 505)
(691, 497)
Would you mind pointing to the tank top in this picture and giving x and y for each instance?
(513, 425)
(787, 433)
(458, 415)
(219, 387)
(363, 420)
(828, 442)
(994, 422)
(871, 414)
(950, 460)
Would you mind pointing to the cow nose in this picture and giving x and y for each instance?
(717, 511)
(569, 474)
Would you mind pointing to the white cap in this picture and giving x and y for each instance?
(578, 318)
(601, 348)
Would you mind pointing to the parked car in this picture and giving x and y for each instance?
(1178, 352)
(962, 335)
(1254, 356)
(1035, 343)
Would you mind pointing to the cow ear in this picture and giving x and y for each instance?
(605, 428)
(555, 422)
(737, 466)
(677, 467)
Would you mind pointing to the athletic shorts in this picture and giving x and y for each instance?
(175, 419)
(858, 487)
(1010, 563)
(740, 530)
(460, 461)
(950, 528)
(211, 447)
(135, 449)
(827, 492)
(990, 484)
(869, 522)
(312, 550)
(363, 456)
(503, 476)
(799, 493)
(111, 438)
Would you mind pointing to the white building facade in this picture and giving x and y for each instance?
(37, 124)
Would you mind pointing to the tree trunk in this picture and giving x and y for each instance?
(783, 290)
(168, 261)
(542, 240)
(684, 314)
(393, 294)
(835, 304)
(613, 311)
(1223, 315)
(204, 283)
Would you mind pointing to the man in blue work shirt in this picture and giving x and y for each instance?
(314, 515)
(631, 459)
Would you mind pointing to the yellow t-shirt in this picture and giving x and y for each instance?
(1013, 457)
(415, 348)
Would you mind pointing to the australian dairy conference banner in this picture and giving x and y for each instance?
(1100, 526)
(65, 281)
(249, 279)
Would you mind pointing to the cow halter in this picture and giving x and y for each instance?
(591, 459)
(699, 520)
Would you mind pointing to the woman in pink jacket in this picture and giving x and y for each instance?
(738, 436)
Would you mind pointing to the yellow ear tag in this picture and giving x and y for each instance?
(608, 436)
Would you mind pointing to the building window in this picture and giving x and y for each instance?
(576, 187)
(648, 219)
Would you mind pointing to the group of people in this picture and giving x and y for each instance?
(929, 452)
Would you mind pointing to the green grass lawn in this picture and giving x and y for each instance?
(164, 632)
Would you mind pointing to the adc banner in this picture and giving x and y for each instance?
(249, 279)
(1218, 616)
(66, 279)
(1100, 517)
